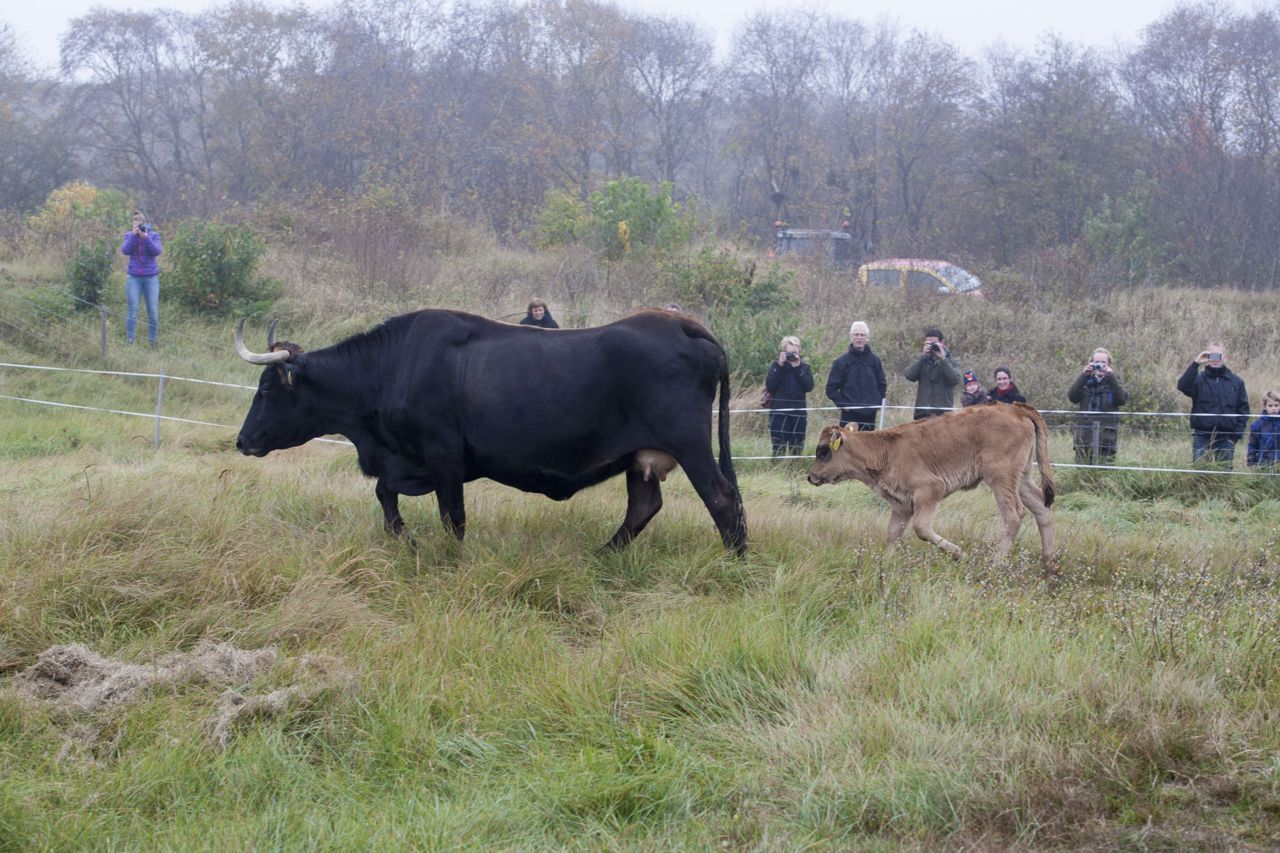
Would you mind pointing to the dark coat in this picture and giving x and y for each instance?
(977, 398)
(1219, 401)
(1264, 441)
(789, 385)
(857, 385)
(1093, 396)
(547, 321)
(1012, 395)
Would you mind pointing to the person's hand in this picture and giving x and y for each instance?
(782, 358)
(1088, 369)
(1203, 358)
(928, 349)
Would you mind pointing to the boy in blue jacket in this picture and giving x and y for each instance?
(1264, 434)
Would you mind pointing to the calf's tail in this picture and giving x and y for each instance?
(1042, 457)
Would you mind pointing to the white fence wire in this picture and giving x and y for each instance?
(762, 414)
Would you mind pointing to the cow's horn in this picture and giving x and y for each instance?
(256, 357)
(271, 333)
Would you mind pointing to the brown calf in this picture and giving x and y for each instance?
(916, 465)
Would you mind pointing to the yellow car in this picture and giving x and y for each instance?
(919, 276)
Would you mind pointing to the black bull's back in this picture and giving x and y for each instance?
(438, 398)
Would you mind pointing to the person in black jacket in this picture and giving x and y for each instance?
(1219, 405)
(857, 382)
(790, 378)
(1097, 391)
(1005, 391)
(539, 315)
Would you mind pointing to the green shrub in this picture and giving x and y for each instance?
(624, 216)
(89, 270)
(78, 213)
(211, 268)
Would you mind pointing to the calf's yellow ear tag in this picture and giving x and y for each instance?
(835, 442)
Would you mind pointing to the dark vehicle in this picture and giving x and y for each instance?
(829, 247)
(436, 399)
(916, 275)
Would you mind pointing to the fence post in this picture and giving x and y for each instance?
(102, 314)
(880, 414)
(159, 406)
(1093, 456)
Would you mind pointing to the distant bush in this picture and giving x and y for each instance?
(76, 214)
(211, 269)
(89, 270)
(624, 216)
(749, 312)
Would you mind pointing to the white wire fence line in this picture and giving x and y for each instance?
(158, 417)
(886, 406)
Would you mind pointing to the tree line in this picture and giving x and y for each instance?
(1153, 161)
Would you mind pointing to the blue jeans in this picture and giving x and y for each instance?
(137, 286)
(1213, 447)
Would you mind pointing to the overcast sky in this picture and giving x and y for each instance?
(970, 26)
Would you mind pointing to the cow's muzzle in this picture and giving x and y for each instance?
(816, 480)
(249, 451)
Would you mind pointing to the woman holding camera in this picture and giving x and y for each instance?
(1097, 392)
(142, 245)
(790, 379)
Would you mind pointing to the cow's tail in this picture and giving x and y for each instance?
(726, 455)
(1042, 456)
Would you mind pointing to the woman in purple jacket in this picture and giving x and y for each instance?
(142, 245)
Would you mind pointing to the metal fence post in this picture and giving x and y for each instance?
(159, 406)
(102, 314)
(1094, 458)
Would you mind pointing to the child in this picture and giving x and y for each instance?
(973, 393)
(1264, 434)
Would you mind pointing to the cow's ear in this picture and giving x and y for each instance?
(288, 374)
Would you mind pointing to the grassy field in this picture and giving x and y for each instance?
(521, 691)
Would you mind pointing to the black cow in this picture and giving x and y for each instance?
(435, 399)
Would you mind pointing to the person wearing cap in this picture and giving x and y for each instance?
(1005, 391)
(857, 383)
(1099, 394)
(1219, 405)
(973, 394)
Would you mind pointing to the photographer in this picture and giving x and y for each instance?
(937, 375)
(1219, 405)
(1096, 391)
(790, 378)
(142, 245)
(857, 383)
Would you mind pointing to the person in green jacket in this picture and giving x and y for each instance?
(936, 375)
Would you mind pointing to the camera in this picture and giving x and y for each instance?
(1215, 356)
(793, 356)
(934, 346)
(142, 227)
(1097, 366)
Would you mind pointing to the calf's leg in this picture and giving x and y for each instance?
(1033, 499)
(897, 523)
(1011, 514)
(926, 504)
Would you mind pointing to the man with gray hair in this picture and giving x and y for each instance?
(857, 383)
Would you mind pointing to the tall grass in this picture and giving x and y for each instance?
(522, 691)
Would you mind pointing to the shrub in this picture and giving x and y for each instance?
(89, 270)
(211, 269)
(624, 216)
(78, 213)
